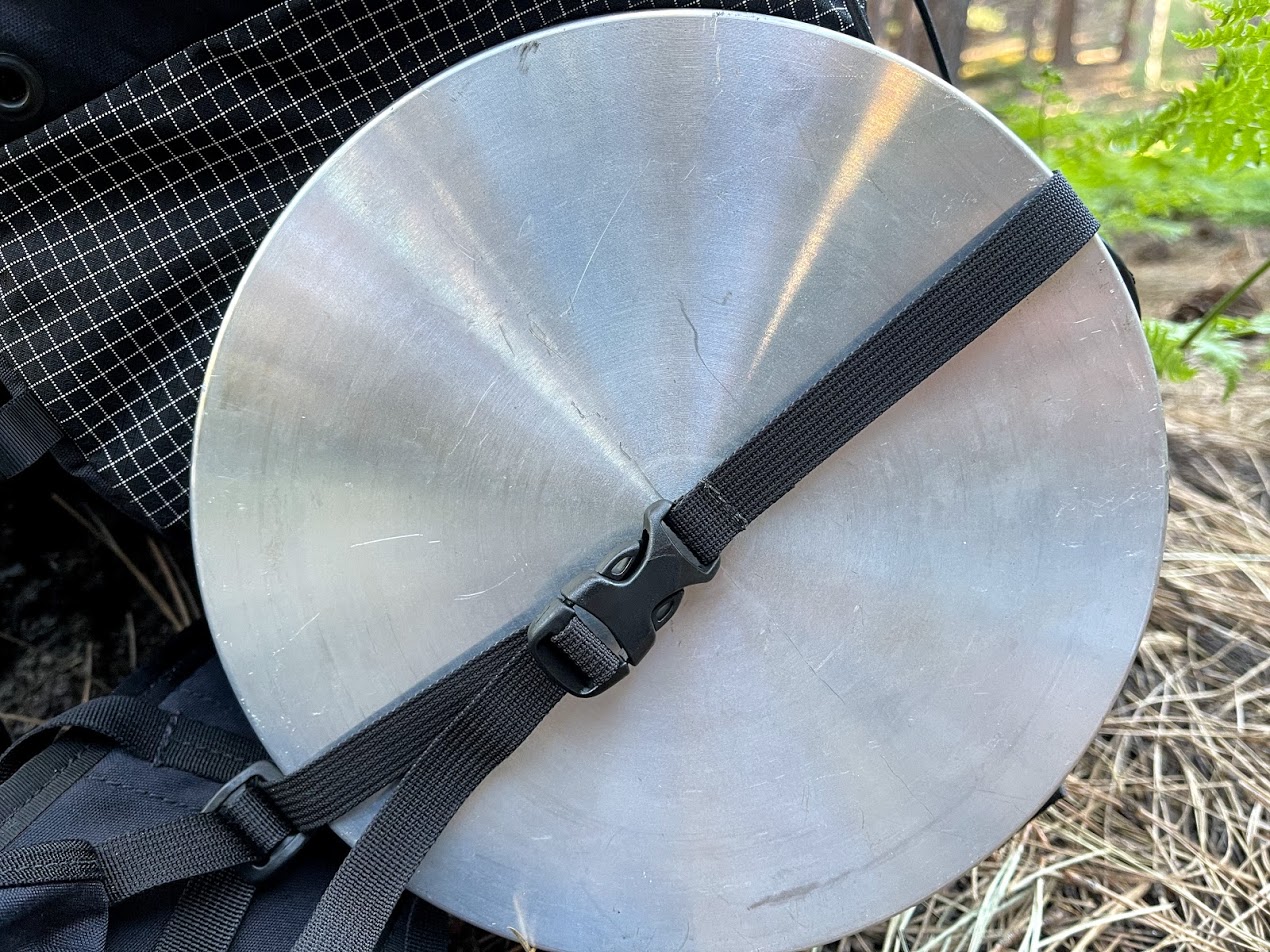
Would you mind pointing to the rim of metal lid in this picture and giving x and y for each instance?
(257, 624)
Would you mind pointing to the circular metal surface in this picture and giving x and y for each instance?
(569, 276)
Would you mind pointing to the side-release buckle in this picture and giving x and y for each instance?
(625, 601)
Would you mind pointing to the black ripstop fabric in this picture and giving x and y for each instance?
(81, 48)
(957, 304)
(126, 224)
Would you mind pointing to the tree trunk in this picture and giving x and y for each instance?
(1030, 29)
(1064, 28)
(1155, 45)
(1126, 30)
(950, 22)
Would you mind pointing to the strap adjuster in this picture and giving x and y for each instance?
(633, 593)
(231, 794)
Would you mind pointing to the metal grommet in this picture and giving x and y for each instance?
(21, 88)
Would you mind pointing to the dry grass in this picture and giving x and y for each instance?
(1162, 840)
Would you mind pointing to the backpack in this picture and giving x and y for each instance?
(156, 750)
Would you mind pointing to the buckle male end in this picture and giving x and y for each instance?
(633, 593)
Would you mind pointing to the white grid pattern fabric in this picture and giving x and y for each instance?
(126, 225)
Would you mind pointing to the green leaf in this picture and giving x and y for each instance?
(1239, 33)
(1165, 342)
(1222, 118)
(1222, 352)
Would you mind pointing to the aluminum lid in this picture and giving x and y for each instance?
(568, 276)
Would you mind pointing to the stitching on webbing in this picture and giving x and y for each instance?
(69, 866)
(215, 752)
(39, 790)
(728, 508)
(166, 738)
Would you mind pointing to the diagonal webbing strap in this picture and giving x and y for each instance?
(370, 881)
(383, 750)
(997, 271)
(1001, 267)
(163, 738)
(445, 740)
(207, 915)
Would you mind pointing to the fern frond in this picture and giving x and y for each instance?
(1230, 10)
(1236, 34)
(1164, 341)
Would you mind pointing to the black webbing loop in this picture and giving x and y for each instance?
(26, 433)
(174, 852)
(588, 653)
(996, 271)
(163, 738)
(382, 751)
(255, 826)
(62, 861)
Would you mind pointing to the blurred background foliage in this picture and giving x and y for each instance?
(1156, 111)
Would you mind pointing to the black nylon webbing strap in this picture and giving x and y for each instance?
(997, 271)
(382, 751)
(592, 656)
(148, 732)
(63, 861)
(207, 915)
(26, 433)
(1001, 267)
(174, 852)
(370, 881)
(311, 797)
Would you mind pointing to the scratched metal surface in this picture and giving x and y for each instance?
(569, 276)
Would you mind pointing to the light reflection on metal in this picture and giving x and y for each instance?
(882, 117)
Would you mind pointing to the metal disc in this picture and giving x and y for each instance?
(570, 275)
